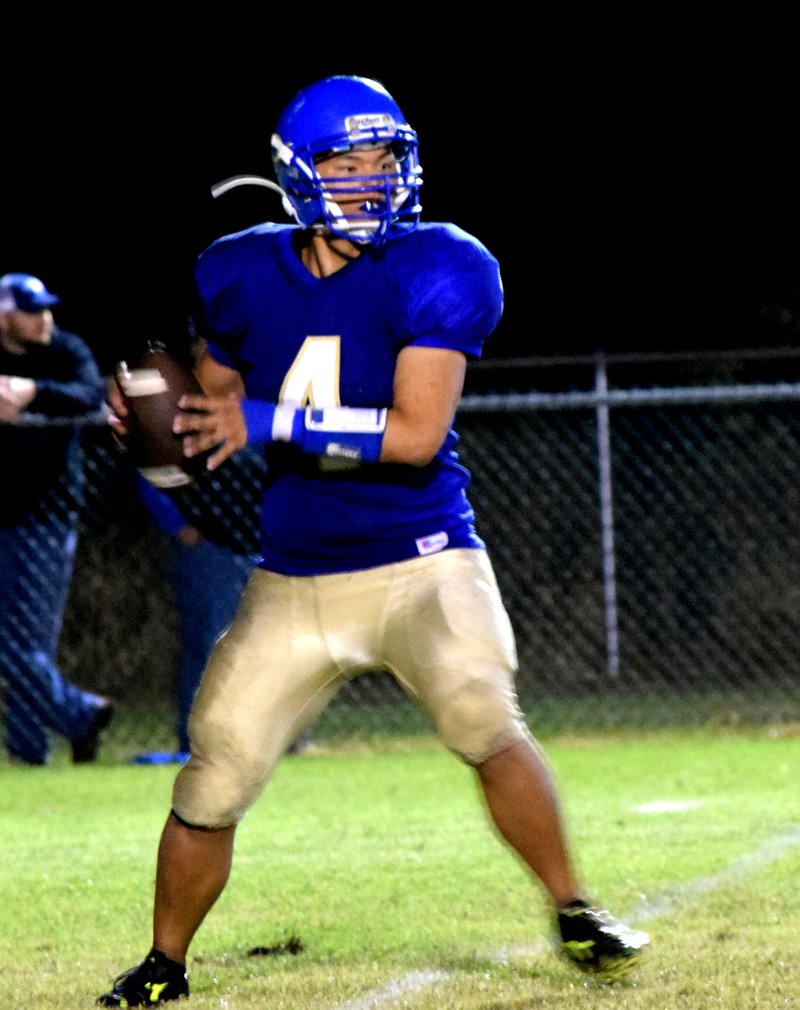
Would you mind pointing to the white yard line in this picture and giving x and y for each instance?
(657, 907)
(668, 806)
(391, 991)
(661, 905)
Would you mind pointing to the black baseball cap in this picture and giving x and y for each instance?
(24, 292)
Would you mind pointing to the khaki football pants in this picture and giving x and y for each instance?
(436, 623)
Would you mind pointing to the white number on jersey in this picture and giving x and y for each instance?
(313, 379)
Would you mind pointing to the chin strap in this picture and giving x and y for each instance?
(225, 185)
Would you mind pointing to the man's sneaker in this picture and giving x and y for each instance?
(156, 980)
(84, 749)
(597, 943)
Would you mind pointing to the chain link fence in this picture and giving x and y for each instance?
(645, 538)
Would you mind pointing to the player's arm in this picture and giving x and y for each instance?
(427, 386)
(215, 378)
(428, 382)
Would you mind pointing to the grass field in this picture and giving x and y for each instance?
(379, 859)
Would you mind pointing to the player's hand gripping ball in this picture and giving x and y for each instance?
(151, 391)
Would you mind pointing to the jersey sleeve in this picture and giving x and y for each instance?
(455, 297)
(220, 310)
(215, 284)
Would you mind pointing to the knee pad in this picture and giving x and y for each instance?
(216, 793)
(213, 796)
(478, 720)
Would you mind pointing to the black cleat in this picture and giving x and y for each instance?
(597, 943)
(84, 749)
(156, 980)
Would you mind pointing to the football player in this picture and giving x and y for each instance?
(350, 330)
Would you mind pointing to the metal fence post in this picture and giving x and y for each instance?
(606, 516)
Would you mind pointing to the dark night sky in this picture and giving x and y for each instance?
(639, 203)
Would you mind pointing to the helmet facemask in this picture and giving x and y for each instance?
(391, 207)
(319, 123)
(385, 207)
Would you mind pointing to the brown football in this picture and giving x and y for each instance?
(152, 389)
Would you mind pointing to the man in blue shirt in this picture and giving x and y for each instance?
(206, 579)
(340, 343)
(49, 382)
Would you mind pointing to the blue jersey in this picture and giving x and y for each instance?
(334, 341)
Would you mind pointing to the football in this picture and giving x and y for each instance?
(151, 390)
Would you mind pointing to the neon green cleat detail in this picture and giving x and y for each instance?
(156, 980)
(597, 943)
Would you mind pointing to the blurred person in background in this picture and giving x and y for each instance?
(206, 579)
(49, 380)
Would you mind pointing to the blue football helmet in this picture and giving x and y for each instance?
(331, 117)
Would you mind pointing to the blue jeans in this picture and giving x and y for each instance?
(36, 562)
(207, 581)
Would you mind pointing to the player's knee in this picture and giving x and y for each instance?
(217, 792)
(214, 795)
(478, 720)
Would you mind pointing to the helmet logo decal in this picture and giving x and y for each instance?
(368, 123)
